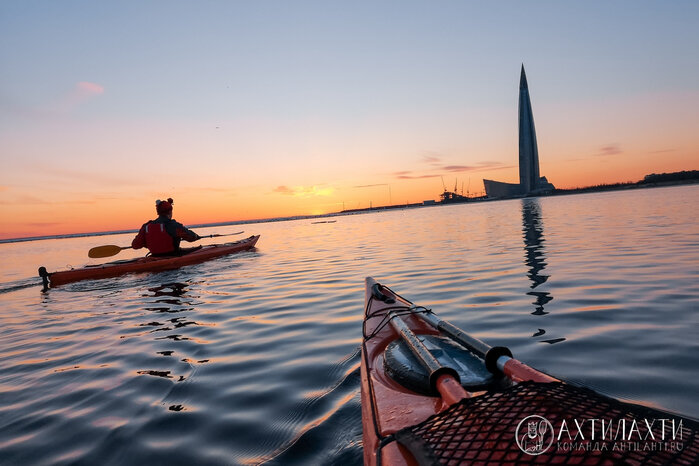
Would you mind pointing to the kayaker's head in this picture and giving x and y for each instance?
(164, 207)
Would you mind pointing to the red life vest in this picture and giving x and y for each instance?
(158, 240)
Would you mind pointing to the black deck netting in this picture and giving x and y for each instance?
(552, 423)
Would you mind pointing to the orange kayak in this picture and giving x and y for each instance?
(432, 394)
(145, 264)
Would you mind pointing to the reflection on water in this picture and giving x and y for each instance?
(255, 357)
(171, 298)
(169, 289)
(535, 258)
(174, 304)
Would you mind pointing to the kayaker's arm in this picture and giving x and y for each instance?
(185, 233)
(140, 240)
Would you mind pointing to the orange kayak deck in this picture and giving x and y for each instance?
(387, 406)
(517, 418)
(149, 263)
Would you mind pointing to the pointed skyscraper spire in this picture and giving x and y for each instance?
(528, 151)
(523, 79)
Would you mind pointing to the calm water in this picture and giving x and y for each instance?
(255, 357)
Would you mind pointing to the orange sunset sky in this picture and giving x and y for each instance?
(249, 110)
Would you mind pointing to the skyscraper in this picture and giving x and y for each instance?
(529, 180)
(528, 151)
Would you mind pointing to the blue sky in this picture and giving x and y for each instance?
(127, 99)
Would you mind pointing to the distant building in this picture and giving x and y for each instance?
(530, 183)
(449, 197)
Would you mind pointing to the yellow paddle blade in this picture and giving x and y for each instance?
(104, 251)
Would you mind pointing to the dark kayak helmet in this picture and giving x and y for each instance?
(164, 207)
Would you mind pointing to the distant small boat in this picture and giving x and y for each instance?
(325, 221)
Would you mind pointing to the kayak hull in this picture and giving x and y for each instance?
(149, 263)
(508, 418)
(387, 406)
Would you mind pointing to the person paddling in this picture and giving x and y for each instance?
(162, 236)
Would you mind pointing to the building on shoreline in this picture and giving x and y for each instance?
(530, 182)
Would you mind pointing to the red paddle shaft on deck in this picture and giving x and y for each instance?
(444, 380)
(497, 359)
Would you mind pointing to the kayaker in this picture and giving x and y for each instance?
(162, 236)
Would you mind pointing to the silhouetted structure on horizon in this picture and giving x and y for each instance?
(530, 183)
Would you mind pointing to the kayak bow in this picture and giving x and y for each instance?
(408, 419)
(145, 264)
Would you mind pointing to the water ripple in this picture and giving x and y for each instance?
(254, 357)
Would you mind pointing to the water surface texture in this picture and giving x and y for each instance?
(254, 357)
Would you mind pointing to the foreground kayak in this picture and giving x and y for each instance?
(145, 264)
(431, 394)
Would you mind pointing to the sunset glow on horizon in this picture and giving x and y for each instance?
(243, 111)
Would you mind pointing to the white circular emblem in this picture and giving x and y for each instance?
(534, 435)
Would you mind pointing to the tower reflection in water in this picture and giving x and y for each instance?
(534, 258)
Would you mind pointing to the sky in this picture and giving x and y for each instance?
(255, 109)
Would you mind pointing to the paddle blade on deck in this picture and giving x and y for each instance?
(105, 251)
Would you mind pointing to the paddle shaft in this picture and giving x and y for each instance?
(111, 249)
(474, 345)
(496, 358)
(443, 379)
(225, 234)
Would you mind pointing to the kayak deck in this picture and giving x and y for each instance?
(492, 429)
(508, 420)
(147, 264)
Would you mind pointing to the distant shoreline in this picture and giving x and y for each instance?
(557, 192)
(623, 186)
